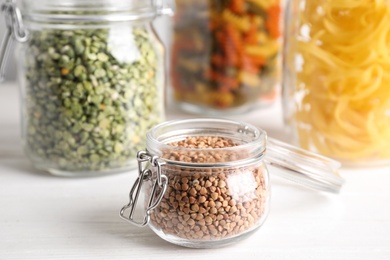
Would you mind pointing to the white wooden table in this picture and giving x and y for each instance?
(47, 217)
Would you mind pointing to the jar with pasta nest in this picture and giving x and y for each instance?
(91, 76)
(205, 182)
(225, 55)
(336, 78)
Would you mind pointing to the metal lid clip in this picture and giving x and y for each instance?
(15, 30)
(146, 174)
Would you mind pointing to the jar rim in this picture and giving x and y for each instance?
(251, 139)
(95, 11)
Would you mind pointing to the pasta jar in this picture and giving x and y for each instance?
(336, 78)
(225, 55)
(91, 75)
(206, 184)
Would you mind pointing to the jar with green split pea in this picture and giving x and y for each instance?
(91, 75)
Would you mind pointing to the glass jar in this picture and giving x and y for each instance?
(206, 183)
(336, 78)
(91, 75)
(225, 55)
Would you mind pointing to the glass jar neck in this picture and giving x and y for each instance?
(92, 11)
(248, 142)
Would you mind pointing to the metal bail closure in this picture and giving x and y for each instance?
(14, 29)
(303, 167)
(159, 186)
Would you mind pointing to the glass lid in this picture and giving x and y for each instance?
(303, 167)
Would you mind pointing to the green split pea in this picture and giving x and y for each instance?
(90, 97)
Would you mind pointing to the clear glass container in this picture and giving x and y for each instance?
(206, 183)
(336, 78)
(91, 75)
(225, 55)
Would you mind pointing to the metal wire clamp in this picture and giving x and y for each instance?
(149, 169)
(15, 30)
